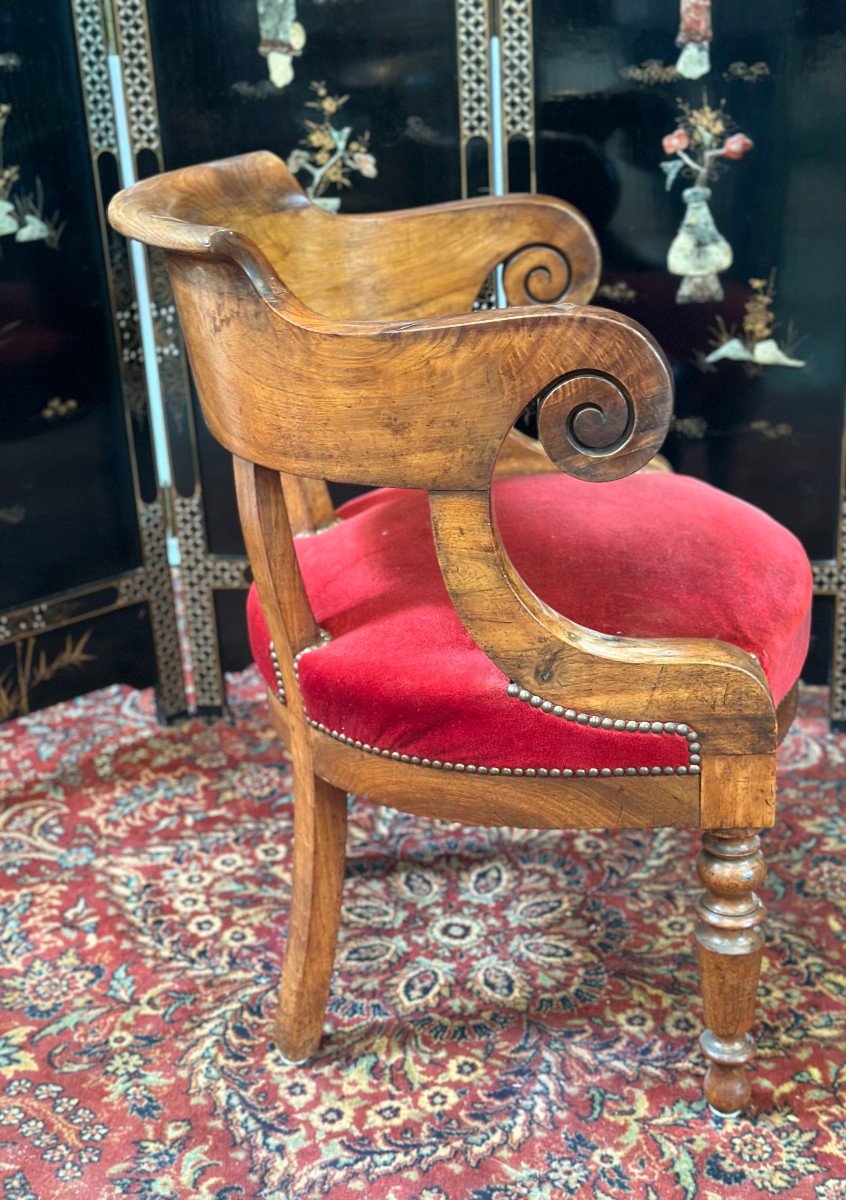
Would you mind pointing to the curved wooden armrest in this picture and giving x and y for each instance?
(433, 260)
(420, 403)
(411, 263)
(524, 455)
(715, 688)
(336, 399)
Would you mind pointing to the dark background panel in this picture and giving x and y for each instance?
(67, 509)
(818, 663)
(771, 436)
(396, 65)
(116, 647)
(234, 646)
(774, 437)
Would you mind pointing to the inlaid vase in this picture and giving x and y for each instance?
(699, 251)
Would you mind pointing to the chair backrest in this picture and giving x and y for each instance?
(341, 347)
(431, 260)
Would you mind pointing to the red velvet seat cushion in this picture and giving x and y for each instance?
(653, 555)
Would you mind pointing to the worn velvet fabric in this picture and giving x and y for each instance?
(654, 556)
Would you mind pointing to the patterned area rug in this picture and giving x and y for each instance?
(514, 1014)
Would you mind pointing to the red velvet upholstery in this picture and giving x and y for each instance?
(653, 555)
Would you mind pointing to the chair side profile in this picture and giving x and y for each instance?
(343, 348)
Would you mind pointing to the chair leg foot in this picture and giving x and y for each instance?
(320, 824)
(729, 945)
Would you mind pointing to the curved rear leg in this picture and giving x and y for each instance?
(320, 827)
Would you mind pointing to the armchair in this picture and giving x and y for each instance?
(487, 637)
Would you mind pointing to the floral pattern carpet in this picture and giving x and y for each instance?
(514, 1014)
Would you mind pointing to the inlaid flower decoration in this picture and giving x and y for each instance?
(694, 39)
(694, 43)
(282, 38)
(755, 344)
(700, 145)
(22, 214)
(330, 155)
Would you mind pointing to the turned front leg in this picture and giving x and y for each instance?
(729, 945)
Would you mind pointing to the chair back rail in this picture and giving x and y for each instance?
(423, 404)
(410, 263)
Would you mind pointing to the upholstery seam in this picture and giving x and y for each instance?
(592, 721)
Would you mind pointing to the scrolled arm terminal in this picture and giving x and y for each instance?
(594, 429)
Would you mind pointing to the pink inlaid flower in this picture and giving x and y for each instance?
(695, 22)
(736, 146)
(677, 140)
(366, 164)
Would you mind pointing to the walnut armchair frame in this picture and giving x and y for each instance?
(328, 347)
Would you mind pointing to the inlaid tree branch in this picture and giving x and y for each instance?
(330, 155)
